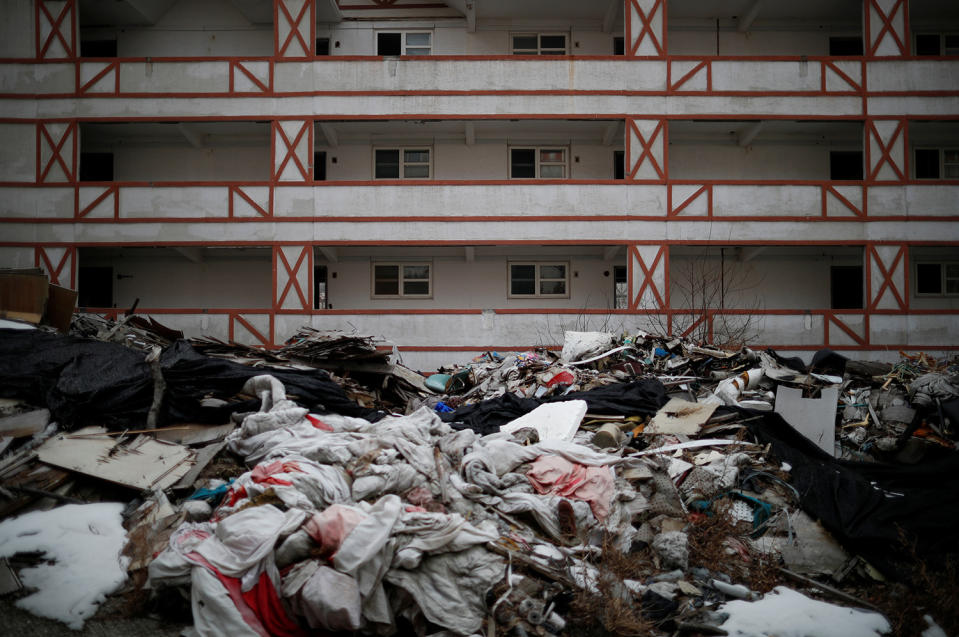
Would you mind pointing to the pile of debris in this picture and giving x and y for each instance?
(626, 485)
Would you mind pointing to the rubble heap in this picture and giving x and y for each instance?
(626, 485)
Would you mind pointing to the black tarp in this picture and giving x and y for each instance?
(879, 511)
(89, 382)
(638, 398)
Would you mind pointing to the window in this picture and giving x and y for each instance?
(619, 45)
(537, 163)
(98, 48)
(96, 166)
(539, 44)
(937, 44)
(936, 163)
(538, 279)
(937, 279)
(322, 46)
(319, 165)
(845, 164)
(845, 45)
(404, 43)
(619, 164)
(845, 287)
(395, 280)
(620, 288)
(321, 300)
(401, 163)
(95, 286)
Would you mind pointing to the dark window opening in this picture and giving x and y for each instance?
(95, 286)
(845, 45)
(322, 46)
(619, 164)
(845, 164)
(320, 293)
(387, 164)
(928, 278)
(927, 163)
(389, 43)
(845, 284)
(319, 165)
(523, 163)
(927, 44)
(620, 287)
(98, 48)
(619, 45)
(96, 166)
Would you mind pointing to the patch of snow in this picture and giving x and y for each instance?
(83, 542)
(787, 613)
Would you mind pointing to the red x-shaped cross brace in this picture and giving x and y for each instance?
(56, 148)
(55, 25)
(647, 149)
(647, 20)
(886, 150)
(291, 280)
(291, 149)
(236, 65)
(41, 256)
(294, 26)
(886, 26)
(831, 319)
(236, 318)
(887, 275)
(647, 276)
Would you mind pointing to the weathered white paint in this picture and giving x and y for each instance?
(36, 203)
(16, 30)
(190, 201)
(762, 201)
(766, 76)
(18, 153)
(174, 77)
(913, 200)
(911, 75)
(36, 78)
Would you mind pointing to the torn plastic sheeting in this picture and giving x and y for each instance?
(552, 421)
(576, 345)
(863, 504)
(84, 381)
(693, 444)
(814, 418)
(641, 397)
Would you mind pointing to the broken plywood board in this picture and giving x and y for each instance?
(814, 418)
(680, 416)
(25, 424)
(144, 463)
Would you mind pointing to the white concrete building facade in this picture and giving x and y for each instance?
(466, 175)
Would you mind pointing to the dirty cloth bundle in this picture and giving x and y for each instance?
(348, 553)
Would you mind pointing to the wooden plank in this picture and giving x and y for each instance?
(144, 463)
(23, 296)
(25, 424)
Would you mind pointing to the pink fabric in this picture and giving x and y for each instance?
(330, 527)
(264, 473)
(558, 476)
(317, 423)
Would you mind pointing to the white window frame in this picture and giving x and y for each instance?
(539, 265)
(539, 43)
(943, 278)
(401, 279)
(941, 151)
(537, 152)
(404, 45)
(403, 164)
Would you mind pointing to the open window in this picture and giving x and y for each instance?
(402, 163)
(540, 162)
(936, 163)
(543, 280)
(539, 44)
(402, 280)
(845, 287)
(939, 278)
(404, 43)
(620, 288)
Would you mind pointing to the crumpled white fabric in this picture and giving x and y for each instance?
(420, 533)
(315, 486)
(450, 588)
(328, 599)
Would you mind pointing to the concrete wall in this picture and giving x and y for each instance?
(477, 285)
(181, 163)
(17, 29)
(756, 162)
(176, 282)
(704, 41)
(18, 152)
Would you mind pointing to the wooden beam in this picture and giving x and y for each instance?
(746, 20)
(330, 134)
(749, 134)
